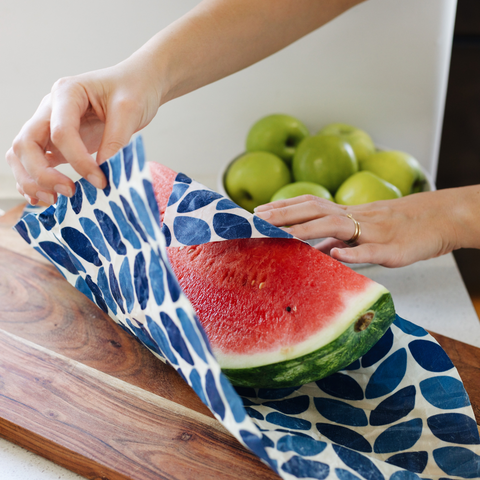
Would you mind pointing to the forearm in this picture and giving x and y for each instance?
(220, 37)
(463, 207)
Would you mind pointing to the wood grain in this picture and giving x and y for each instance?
(37, 304)
(102, 427)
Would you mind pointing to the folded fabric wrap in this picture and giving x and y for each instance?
(400, 412)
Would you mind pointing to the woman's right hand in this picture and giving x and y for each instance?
(94, 112)
(101, 110)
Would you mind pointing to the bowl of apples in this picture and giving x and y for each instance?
(340, 163)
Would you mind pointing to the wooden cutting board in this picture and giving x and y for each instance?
(78, 390)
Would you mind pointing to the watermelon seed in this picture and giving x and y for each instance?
(288, 309)
(364, 321)
(191, 250)
(253, 282)
(261, 285)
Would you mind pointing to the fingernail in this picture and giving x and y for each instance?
(45, 197)
(63, 190)
(260, 208)
(95, 181)
(264, 215)
(30, 200)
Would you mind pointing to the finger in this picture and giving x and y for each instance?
(32, 201)
(121, 123)
(300, 212)
(40, 172)
(26, 185)
(29, 150)
(338, 226)
(326, 245)
(380, 254)
(70, 103)
(289, 202)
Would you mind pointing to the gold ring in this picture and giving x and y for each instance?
(357, 232)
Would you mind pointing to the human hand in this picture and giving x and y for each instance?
(394, 233)
(93, 112)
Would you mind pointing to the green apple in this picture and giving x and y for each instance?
(296, 189)
(278, 133)
(365, 187)
(397, 168)
(324, 159)
(359, 139)
(254, 177)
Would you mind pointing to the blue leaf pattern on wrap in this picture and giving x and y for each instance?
(191, 230)
(110, 232)
(395, 407)
(454, 428)
(401, 436)
(59, 255)
(89, 190)
(344, 436)
(125, 228)
(61, 209)
(128, 159)
(175, 337)
(379, 350)
(304, 468)
(95, 235)
(341, 412)
(115, 288)
(132, 218)
(196, 200)
(342, 386)
(105, 289)
(412, 461)
(47, 218)
(230, 226)
(430, 356)
(81, 245)
(305, 446)
(444, 392)
(458, 461)
(125, 280)
(21, 228)
(77, 199)
(33, 226)
(106, 170)
(140, 280)
(388, 375)
(116, 165)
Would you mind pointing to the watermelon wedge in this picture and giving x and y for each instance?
(277, 312)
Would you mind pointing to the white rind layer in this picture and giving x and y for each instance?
(354, 305)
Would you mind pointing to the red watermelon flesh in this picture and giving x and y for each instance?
(268, 301)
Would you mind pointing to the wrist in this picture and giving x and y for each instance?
(465, 214)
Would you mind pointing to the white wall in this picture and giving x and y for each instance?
(382, 66)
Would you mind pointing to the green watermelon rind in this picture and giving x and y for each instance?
(320, 363)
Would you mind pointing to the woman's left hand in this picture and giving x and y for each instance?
(394, 233)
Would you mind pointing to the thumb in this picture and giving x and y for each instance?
(378, 254)
(120, 125)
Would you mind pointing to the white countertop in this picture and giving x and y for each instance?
(430, 294)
